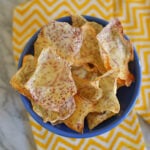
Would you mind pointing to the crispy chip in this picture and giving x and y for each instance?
(76, 120)
(109, 101)
(77, 20)
(108, 84)
(84, 106)
(79, 71)
(88, 89)
(97, 27)
(83, 73)
(23, 75)
(95, 118)
(18, 81)
(41, 43)
(115, 50)
(48, 115)
(66, 39)
(52, 85)
(89, 52)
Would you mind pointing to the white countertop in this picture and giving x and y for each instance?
(15, 132)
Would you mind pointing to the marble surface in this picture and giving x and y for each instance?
(15, 132)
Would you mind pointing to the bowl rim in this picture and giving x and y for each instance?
(109, 127)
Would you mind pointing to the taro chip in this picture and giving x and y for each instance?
(77, 20)
(109, 101)
(23, 75)
(66, 39)
(95, 118)
(85, 107)
(18, 82)
(41, 43)
(51, 85)
(88, 89)
(76, 120)
(116, 51)
(79, 72)
(89, 52)
(97, 27)
(83, 73)
(48, 115)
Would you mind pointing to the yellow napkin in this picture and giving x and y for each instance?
(135, 17)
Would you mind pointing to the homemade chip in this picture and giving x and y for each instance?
(95, 118)
(109, 101)
(83, 73)
(87, 89)
(79, 71)
(77, 20)
(48, 115)
(84, 106)
(66, 39)
(51, 85)
(23, 75)
(108, 84)
(89, 52)
(115, 50)
(18, 82)
(97, 27)
(41, 43)
(76, 120)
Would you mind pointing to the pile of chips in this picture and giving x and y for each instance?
(75, 72)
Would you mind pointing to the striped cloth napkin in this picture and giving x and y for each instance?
(135, 17)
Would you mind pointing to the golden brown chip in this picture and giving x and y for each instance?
(97, 27)
(89, 52)
(23, 75)
(87, 89)
(47, 115)
(52, 85)
(39, 110)
(115, 50)
(84, 106)
(79, 71)
(83, 73)
(66, 39)
(109, 101)
(18, 81)
(41, 43)
(95, 118)
(76, 120)
(77, 20)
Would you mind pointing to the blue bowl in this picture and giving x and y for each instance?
(127, 95)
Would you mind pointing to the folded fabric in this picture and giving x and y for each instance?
(135, 17)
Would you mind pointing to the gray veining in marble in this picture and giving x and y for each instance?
(15, 132)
